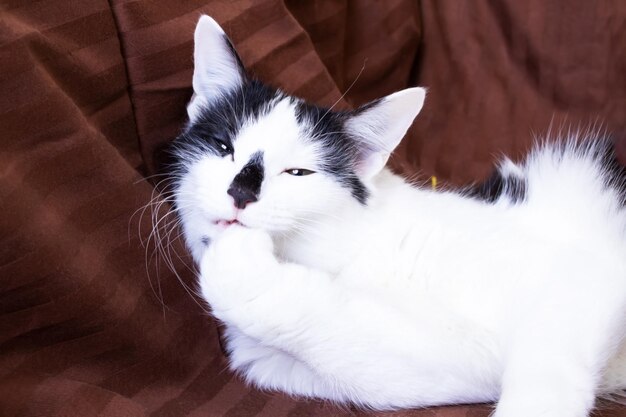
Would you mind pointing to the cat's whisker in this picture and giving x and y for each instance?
(342, 96)
(165, 231)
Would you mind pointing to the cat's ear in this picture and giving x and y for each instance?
(217, 67)
(379, 127)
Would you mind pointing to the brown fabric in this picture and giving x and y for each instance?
(499, 71)
(90, 90)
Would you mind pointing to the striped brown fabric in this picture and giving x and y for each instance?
(499, 72)
(91, 324)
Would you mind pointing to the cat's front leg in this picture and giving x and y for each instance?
(272, 302)
(236, 269)
(301, 330)
(244, 284)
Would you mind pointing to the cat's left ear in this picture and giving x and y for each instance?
(379, 127)
(217, 67)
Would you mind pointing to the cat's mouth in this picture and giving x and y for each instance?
(222, 224)
(225, 223)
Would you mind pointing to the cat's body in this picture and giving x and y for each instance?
(349, 284)
(433, 312)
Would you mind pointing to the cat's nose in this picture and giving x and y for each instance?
(241, 197)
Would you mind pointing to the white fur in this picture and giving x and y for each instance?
(417, 298)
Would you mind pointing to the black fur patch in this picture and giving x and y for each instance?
(498, 186)
(220, 121)
(246, 185)
(340, 152)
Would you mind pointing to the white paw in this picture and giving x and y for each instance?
(243, 240)
(237, 267)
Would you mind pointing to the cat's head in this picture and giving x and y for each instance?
(255, 155)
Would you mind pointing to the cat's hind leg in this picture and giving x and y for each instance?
(561, 346)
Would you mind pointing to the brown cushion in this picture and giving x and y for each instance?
(90, 91)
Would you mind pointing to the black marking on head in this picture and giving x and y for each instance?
(340, 151)
(246, 185)
(498, 186)
(220, 121)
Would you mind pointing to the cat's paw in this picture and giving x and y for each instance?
(238, 266)
(240, 240)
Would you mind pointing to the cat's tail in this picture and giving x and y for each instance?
(566, 169)
(577, 180)
(576, 164)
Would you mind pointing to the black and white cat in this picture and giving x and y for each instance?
(337, 279)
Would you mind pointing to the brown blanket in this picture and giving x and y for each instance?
(90, 323)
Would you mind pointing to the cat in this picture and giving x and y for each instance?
(337, 279)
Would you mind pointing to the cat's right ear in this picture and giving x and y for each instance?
(217, 67)
(379, 126)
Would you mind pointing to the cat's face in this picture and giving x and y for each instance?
(253, 155)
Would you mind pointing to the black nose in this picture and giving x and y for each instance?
(241, 197)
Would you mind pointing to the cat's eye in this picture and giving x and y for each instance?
(223, 147)
(299, 172)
